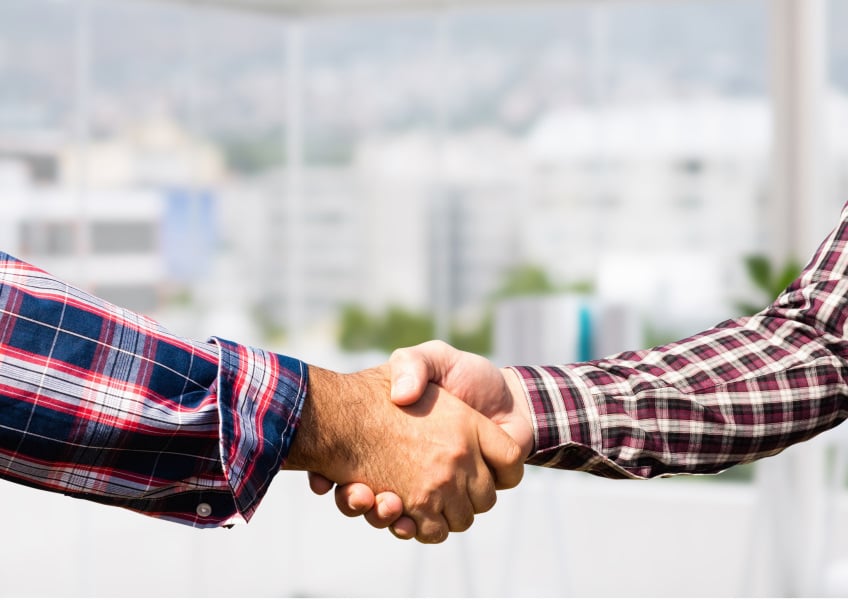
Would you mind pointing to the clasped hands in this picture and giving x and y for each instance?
(420, 444)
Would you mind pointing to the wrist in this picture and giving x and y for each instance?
(523, 431)
(318, 440)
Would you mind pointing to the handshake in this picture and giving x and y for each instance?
(420, 444)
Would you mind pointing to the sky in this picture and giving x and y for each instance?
(225, 71)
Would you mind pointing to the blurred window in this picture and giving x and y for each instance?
(120, 237)
(138, 297)
(47, 238)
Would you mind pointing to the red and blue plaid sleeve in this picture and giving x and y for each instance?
(101, 403)
(746, 389)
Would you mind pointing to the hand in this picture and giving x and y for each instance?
(495, 393)
(436, 455)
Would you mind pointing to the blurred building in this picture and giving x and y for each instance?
(257, 223)
(425, 219)
(115, 216)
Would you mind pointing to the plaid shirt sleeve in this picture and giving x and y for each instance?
(746, 389)
(100, 403)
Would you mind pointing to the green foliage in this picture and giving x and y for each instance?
(655, 336)
(770, 282)
(477, 340)
(358, 329)
(532, 280)
(398, 327)
(525, 280)
(253, 154)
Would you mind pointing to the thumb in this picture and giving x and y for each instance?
(414, 367)
(411, 371)
(501, 453)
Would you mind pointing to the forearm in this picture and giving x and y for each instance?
(747, 389)
(664, 412)
(101, 403)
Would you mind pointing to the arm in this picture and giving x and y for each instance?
(746, 389)
(743, 390)
(100, 403)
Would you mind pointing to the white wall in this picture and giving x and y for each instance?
(557, 534)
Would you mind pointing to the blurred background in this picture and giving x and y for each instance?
(533, 181)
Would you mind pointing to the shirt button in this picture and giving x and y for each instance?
(203, 510)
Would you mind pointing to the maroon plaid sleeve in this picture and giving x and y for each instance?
(100, 403)
(746, 389)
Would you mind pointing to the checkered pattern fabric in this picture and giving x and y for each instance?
(101, 403)
(746, 389)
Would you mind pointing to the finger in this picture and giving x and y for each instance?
(387, 509)
(354, 499)
(432, 529)
(459, 515)
(481, 491)
(319, 484)
(501, 453)
(412, 368)
(404, 528)
(410, 372)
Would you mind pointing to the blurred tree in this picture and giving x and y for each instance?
(253, 154)
(521, 280)
(769, 281)
(525, 280)
(250, 154)
(358, 329)
(476, 339)
(398, 327)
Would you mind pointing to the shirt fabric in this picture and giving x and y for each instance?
(101, 403)
(746, 389)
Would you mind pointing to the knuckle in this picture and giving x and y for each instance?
(437, 345)
(399, 355)
(487, 502)
(458, 452)
(464, 522)
(423, 502)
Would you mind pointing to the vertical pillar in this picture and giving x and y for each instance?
(294, 144)
(440, 221)
(82, 135)
(194, 245)
(792, 485)
(799, 218)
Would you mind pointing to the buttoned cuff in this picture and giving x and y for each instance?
(260, 398)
